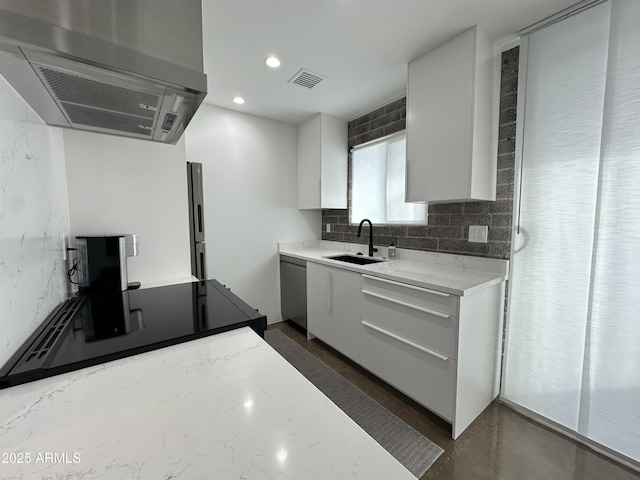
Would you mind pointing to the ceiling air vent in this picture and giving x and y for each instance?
(307, 78)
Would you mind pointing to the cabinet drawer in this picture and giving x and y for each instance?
(433, 300)
(433, 332)
(425, 378)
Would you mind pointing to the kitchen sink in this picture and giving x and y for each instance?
(358, 260)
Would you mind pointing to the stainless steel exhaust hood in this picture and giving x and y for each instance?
(123, 67)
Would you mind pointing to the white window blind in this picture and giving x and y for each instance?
(378, 184)
(573, 337)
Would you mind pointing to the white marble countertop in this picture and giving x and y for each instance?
(226, 406)
(455, 274)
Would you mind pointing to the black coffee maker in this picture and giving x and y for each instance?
(102, 263)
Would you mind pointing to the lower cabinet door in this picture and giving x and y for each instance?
(345, 321)
(431, 331)
(319, 301)
(426, 378)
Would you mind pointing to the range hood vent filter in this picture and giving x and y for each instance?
(104, 119)
(71, 88)
(101, 105)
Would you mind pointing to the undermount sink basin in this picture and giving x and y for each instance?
(358, 260)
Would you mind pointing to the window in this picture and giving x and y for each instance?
(378, 184)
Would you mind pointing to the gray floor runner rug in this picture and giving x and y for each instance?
(412, 449)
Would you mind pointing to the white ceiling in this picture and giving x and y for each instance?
(361, 46)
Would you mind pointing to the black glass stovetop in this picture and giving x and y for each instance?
(92, 329)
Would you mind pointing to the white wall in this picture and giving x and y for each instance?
(33, 214)
(121, 185)
(250, 188)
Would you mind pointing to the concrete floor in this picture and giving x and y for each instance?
(500, 445)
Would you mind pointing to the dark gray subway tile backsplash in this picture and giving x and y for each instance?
(448, 224)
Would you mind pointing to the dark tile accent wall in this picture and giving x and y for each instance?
(448, 224)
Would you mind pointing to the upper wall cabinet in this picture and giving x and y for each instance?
(449, 122)
(322, 163)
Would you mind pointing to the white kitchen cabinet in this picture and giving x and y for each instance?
(345, 315)
(440, 349)
(322, 163)
(449, 122)
(427, 379)
(318, 301)
(333, 307)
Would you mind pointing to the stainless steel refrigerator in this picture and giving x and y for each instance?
(196, 220)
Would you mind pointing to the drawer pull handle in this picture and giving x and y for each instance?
(406, 304)
(406, 285)
(405, 341)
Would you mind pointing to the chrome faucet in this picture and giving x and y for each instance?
(371, 249)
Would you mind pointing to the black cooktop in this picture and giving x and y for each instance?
(92, 329)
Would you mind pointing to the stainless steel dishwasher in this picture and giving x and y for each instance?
(293, 290)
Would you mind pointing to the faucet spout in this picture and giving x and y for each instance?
(371, 248)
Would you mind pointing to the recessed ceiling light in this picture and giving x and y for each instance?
(238, 100)
(272, 62)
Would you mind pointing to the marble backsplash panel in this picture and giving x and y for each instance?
(34, 213)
